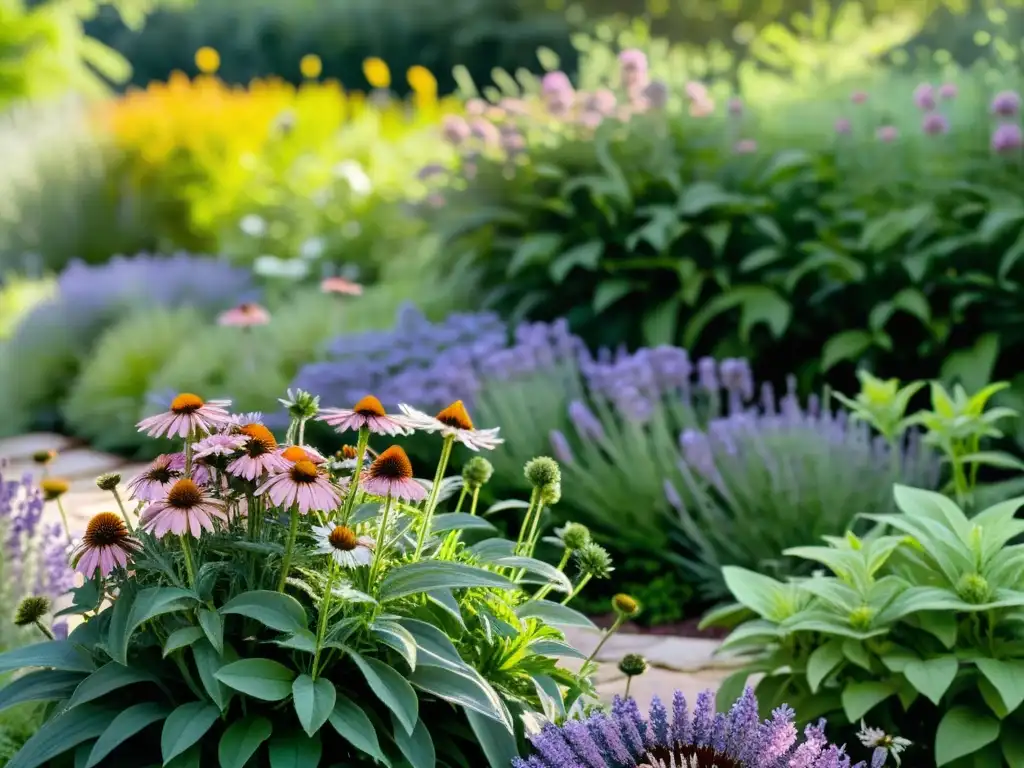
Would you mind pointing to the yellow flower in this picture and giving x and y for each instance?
(421, 80)
(311, 66)
(208, 60)
(377, 73)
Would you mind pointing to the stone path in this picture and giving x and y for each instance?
(687, 664)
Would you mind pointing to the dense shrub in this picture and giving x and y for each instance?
(47, 349)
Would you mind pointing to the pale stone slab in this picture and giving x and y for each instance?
(22, 447)
(684, 654)
(663, 683)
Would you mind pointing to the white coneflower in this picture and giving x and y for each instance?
(344, 547)
(454, 422)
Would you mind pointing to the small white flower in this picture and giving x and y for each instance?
(352, 172)
(342, 544)
(272, 266)
(312, 249)
(253, 225)
(874, 738)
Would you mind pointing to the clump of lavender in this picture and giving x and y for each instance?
(35, 559)
(625, 738)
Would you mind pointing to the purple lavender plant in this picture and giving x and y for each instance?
(626, 739)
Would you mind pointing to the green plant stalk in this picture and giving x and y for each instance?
(542, 592)
(473, 501)
(582, 583)
(448, 550)
(435, 489)
(531, 540)
(188, 457)
(293, 531)
(64, 520)
(302, 432)
(353, 488)
(190, 568)
(629, 680)
(124, 512)
(321, 627)
(378, 551)
(42, 628)
(534, 497)
(611, 631)
(462, 498)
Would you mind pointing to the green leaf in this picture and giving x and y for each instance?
(702, 196)
(913, 302)
(759, 593)
(1007, 677)
(459, 521)
(659, 323)
(940, 624)
(304, 641)
(717, 235)
(1011, 741)
(55, 654)
(181, 638)
(127, 724)
(352, 724)
(148, 604)
(417, 747)
(859, 698)
(847, 345)
(999, 459)
(857, 653)
(436, 574)
(762, 257)
(998, 221)
(61, 734)
(932, 677)
(553, 613)
(296, 750)
(973, 367)
(434, 648)
(213, 625)
(241, 740)
(822, 661)
(396, 636)
(758, 303)
(961, 732)
(782, 164)
(533, 249)
(208, 663)
(314, 702)
(586, 255)
(274, 609)
(609, 292)
(107, 678)
(42, 685)
(538, 571)
(391, 688)
(467, 689)
(185, 726)
(260, 678)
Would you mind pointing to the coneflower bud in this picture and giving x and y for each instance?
(625, 605)
(108, 481)
(30, 610)
(53, 488)
(633, 665)
(542, 472)
(593, 560)
(551, 494)
(973, 588)
(301, 404)
(348, 452)
(575, 536)
(44, 457)
(477, 472)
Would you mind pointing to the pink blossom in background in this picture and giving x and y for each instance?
(1006, 104)
(935, 124)
(745, 147)
(736, 106)
(454, 129)
(843, 126)
(633, 69)
(245, 315)
(476, 107)
(859, 97)
(948, 91)
(887, 134)
(1007, 138)
(924, 97)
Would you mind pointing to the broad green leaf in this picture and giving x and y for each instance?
(546, 572)
(296, 750)
(434, 648)
(213, 626)
(659, 323)
(41, 685)
(963, 731)
(314, 702)
(609, 292)
(1007, 677)
(437, 574)
(932, 677)
(241, 740)
(352, 724)
(973, 367)
(762, 257)
(185, 726)
(998, 221)
(858, 653)
(553, 613)
(274, 609)
(208, 663)
(55, 654)
(459, 521)
(391, 688)
(585, 255)
(304, 641)
(396, 636)
(107, 678)
(999, 459)
(991, 696)
(822, 661)
(555, 648)
(704, 195)
(534, 249)
(61, 734)
(417, 747)
(263, 679)
(859, 698)
(846, 345)
(466, 688)
(125, 725)
(181, 638)
(148, 604)
(190, 758)
(761, 594)
(1011, 741)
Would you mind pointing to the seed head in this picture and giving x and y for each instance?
(625, 605)
(53, 488)
(108, 481)
(30, 610)
(575, 536)
(44, 457)
(477, 472)
(551, 494)
(542, 472)
(632, 665)
(594, 560)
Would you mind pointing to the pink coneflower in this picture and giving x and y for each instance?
(220, 444)
(924, 97)
(106, 545)
(259, 453)
(558, 92)
(633, 69)
(1006, 104)
(369, 413)
(745, 147)
(601, 101)
(154, 483)
(186, 509)
(1007, 138)
(887, 134)
(483, 129)
(454, 422)
(476, 107)
(391, 474)
(859, 97)
(843, 126)
(455, 129)
(736, 107)
(296, 453)
(303, 485)
(656, 94)
(702, 107)
(934, 124)
(200, 472)
(341, 286)
(189, 413)
(244, 316)
(948, 91)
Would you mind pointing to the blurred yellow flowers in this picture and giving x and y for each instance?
(310, 66)
(377, 73)
(207, 60)
(421, 80)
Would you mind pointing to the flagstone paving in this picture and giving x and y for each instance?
(687, 664)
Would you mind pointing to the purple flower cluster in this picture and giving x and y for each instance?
(624, 738)
(35, 553)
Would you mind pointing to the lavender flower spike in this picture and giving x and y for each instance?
(735, 740)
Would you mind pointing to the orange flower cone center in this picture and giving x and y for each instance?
(455, 415)
(304, 472)
(369, 406)
(184, 494)
(392, 464)
(294, 454)
(261, 439)
(186, 402)
(104, 530)
(343, 538)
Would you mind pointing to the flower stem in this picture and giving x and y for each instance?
(611, 631)
(353, 487)
(64, 519)
(576, 591)
(531, 540)
(542, 592)
(124, 512)
(462, 498)
(293, 531)
(629, 679)
(188, 457)
(321, 627)
(428, 510)
(534, 496)
(378, 551)
(42, 628)
(190, 568)
(302, 433)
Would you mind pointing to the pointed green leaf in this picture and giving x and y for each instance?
(822, 661)
(41, 685)
(352, 724)
(185, 726)
(181, 638)
(1011, 741)
(434, 648)
(437, 574)
(208, 662)
(127, 724)
(314, 702)
(1007, 677)
(961, 732)
(391, 688)
(241, 740)
(148, 604)
(553, 613)
(467, 689)
(263, 679)
(417, 747)
(396, 636)
(55, 654)
(295, 750)
(586, 256)
(61, 734)
(107, 678)
(932, 677)
(859, 698)
(274, 609)
(761, 594)
(213, 627)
